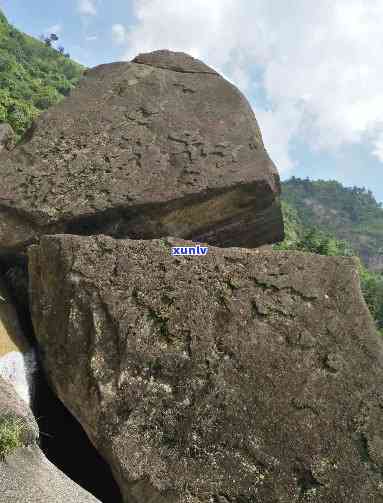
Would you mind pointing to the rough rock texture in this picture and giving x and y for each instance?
(163, 145)
(17, 358)
(26, 476)
(16, 278)
(7, 136)
(241, 376)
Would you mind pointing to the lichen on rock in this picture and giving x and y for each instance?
(188, 396)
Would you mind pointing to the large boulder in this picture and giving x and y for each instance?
(239, 376)
(26, 475)
(161, 145)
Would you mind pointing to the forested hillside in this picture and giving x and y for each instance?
(317, 215)
(33, 76)
(351, 214)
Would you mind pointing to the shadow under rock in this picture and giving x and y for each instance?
(66, 445)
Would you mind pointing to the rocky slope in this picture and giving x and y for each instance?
(244, 375)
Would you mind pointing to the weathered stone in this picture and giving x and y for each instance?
(240, 376)
(162, 145)
(26, 476)
(7, 136)
(177, 61)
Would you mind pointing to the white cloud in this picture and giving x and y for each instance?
(56, 28)
(87, 7)
(90, 38)
(377, 143)
(278, 129)
(320, 62)
(118, 33)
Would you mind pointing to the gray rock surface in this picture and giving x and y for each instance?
(7, 136)
(240, 376)
(12, 405)
(26, 475)
(162, 145)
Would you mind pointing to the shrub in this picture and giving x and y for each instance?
(11, 434)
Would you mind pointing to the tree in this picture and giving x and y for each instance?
(372, 288)
(32, 77)
(49, 39)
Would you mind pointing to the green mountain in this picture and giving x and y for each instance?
(326, 218)
(350, 214)
(33, 76)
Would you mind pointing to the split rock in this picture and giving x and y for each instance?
(26, 475)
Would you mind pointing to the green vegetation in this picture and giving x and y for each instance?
(372, 288)
(316, 241)
(302, 235)
(11, 434)
(33, 76)
(350, 214)
(161, 322)
(292, 223)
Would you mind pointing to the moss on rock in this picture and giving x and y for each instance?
(12, 434)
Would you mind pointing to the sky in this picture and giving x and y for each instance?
(312, 70)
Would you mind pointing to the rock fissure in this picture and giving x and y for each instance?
(289, 289)
(307, 483)
(233, 377)
(179, 70)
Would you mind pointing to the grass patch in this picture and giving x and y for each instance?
(232, 284)
(164, 243)
(11, 434)
(161, 322)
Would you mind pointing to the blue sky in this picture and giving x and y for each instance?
(312, 71)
